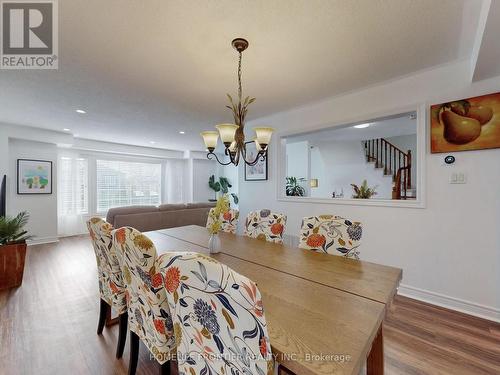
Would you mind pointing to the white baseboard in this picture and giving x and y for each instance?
(73, 235)
(466, 307)
(42, 240)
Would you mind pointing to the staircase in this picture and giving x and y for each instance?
(394, 162)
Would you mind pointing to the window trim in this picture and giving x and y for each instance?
(420, 202)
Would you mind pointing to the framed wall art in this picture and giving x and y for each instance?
(34, 176)
(467, 124)
(257, 172)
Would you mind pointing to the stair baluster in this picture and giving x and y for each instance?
(389, 170)
(408, 159)
(394, 161)
(385, 157)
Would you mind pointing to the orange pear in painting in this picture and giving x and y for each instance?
(468, 124)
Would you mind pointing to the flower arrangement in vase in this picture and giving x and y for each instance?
(215, 222)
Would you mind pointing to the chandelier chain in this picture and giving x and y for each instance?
(239, 77)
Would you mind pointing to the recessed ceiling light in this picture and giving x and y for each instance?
(152, 142)
(182, 132)
(67, 130)
(361, 126)
(81, 111)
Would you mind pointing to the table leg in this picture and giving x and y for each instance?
(375, 361)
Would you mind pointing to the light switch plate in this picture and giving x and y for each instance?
(458, 178)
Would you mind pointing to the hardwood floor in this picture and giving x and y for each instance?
(48, 326)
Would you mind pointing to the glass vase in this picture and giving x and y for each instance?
(214, 243)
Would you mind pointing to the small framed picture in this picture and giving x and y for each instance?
(34, 176)
(257, 172)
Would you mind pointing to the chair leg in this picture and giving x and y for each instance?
(134, 353)
(282, 370)
(165, 368)
(122, 334)
(103, 313)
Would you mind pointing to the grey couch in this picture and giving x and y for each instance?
(147, 218)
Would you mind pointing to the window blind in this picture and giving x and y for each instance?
(73, 186)
(124, 183)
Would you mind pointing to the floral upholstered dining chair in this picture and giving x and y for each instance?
(111, 287)
(331, 234)
(265, 225)
(148, 312)
(229, 220)
(219, 321)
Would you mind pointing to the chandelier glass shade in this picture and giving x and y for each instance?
(232, 135)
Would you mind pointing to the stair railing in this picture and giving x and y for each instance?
(394, 161)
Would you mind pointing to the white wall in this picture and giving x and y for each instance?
(450, 250)
(202, 170)
(338, 164)
(42, 208)
(298, 160)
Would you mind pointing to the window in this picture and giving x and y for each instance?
(124, 183)
(73, 186)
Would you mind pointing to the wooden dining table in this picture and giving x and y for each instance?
(325, 313)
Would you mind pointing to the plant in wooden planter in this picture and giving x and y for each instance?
(12, 249)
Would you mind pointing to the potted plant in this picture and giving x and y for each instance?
(363, 191)
(293, 187)
(223, 186)
(12, 249)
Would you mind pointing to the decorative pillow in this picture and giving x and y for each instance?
(219, 321)
(148, 312)
(111, 286)
(265, 225)
(229, 220)
(331, 234)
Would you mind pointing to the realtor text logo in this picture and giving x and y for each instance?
(29, 35)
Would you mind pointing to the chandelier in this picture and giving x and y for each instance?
(232, 135)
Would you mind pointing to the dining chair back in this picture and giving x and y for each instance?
(111, 286)
(228, 219)
(219, 321)
(148, 312)
(331, 234)
(265, 225)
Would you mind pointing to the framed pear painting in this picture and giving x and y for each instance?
(467, 124)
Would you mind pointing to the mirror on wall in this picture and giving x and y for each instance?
(375, 159)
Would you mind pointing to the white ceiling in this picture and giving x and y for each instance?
(393, 126)
(144, 70)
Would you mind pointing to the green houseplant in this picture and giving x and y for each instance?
(13, 239)
(223, 186)
(363, 191)
(293, 187)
